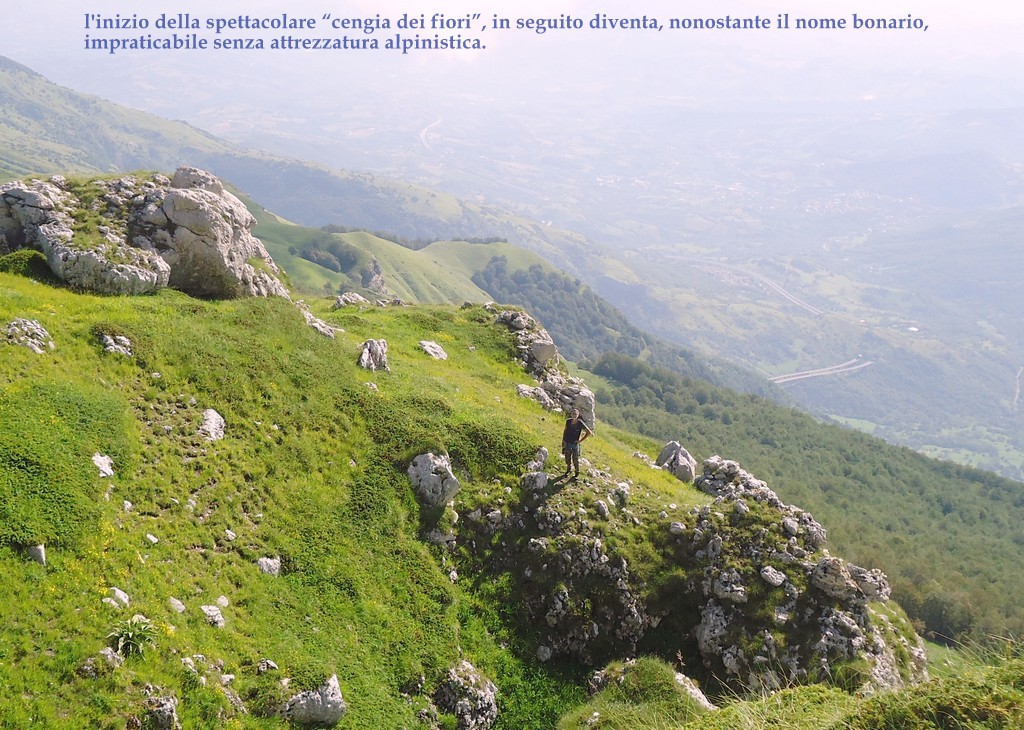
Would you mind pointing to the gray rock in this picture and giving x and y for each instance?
(773, 576)
(433, 349)
(37, 553)
(469, 696)
(176, 605)
(208, 241)
(104, 463)
(544, 653)
(213, 615)
(677, 461)
(116, 344)
(29, 333)
(111, 657)
(539, 460)
(269, 566)
(695, 693)
(321, 707)
(534, 481)
(212, 427)
(120, 597)
(350, 298)
(873, 583)
(538, 394)
(431, 476)
(266, 665)
(162, 713)
(189, 233)
(319, 325)
(831, 576)
(374, 356)
(676, 528)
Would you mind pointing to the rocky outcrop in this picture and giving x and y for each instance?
(536, 348)
(469, 696)
(431, 476)
(775, 607)
(756, 596)
(374, 355)
(433, 349)
(162, 713)
(677, 461)
(373, 278)
(137, 236)
(212, 427)
(348, 298)
(321, 707)
(539, 356)
(29, 333)
(116, 344)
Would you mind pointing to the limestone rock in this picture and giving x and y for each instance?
(373, 278)
(269, 566)
(321, 707)
(695, 693)
(176, 605)
(773, 576)
(432, 478)
(111, 657)
(188, 233)
(38, 215)
(208, 240)
(538, 350)
(831, 576)
(433, 349)
(120, 597)
(469, 696)
(213, 615)
(350, 298)
(162, 713)
(539, 460)
(116, 344)
(104, 463)
(29, 333)
(677, 461)
(374, 355)
(319, 325)
(534, 481)
(212, 427)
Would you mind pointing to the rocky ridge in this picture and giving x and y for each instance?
(135, 236)
(763, 603)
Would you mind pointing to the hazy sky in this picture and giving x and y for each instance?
(962, 38)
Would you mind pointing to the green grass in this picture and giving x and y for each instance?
(644, 696)
(312, 469)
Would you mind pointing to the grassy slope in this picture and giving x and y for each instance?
(311, 470)
(437, 274)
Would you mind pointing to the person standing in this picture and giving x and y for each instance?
(575, 433)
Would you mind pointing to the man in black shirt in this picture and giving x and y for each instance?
(575, 433)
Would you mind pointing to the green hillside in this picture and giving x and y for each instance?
(311, 470)
(584, 324)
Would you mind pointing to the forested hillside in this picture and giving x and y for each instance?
(949, 536)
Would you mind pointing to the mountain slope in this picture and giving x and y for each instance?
(311, 475)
